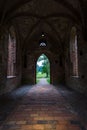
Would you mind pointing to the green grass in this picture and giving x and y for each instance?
(37, 80)
(40, 75)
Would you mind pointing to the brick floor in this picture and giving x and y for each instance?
(43, 107)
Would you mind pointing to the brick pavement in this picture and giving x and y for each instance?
(43, 107)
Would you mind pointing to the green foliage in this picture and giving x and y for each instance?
(41, 75)
(46, 66)
(37, 80)
(48, 80)
(43, 71)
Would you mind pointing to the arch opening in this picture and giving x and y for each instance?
(43, 69)
(11, 70)
(74, 52)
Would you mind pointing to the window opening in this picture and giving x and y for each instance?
(74, 52)
(11, 56)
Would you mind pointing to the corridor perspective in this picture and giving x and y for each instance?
(44, 107)
(43, 39)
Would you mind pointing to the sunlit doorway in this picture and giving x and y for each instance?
(43, 70)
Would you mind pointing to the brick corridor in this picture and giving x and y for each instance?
(43, 108)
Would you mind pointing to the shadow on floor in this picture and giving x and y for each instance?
(10, 100)
(43, 96)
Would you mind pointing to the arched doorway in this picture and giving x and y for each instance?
(43, 68)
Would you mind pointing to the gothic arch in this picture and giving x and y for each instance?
(39, 67)
(74, 52)
(11, 70)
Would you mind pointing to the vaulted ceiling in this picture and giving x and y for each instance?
(51, 17)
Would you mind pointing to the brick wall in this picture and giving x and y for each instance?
(7, 84)
(60, 65)
(78, 83)
(56, 68)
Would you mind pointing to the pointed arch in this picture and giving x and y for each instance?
(74, 52)
(11, 70)
(43, 68)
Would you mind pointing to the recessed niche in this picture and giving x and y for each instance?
(66, 60)
(81, 53)
(0, 59)
(43, 44)
(25, 61)
(56, 61)
(60, 62)
(83, 76)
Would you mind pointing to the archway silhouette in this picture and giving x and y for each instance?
(43, 68)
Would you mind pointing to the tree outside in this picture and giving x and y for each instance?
(43, 68)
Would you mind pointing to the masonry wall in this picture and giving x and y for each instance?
(15, 81)
(8, 84)
(77, 83)
(57, 70)
(82, 52)
(29, 66)
(3, 60)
